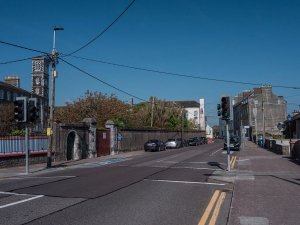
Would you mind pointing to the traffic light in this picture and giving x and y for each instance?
(225, 105)
(33, 110)
(20, 114)
(219, 109)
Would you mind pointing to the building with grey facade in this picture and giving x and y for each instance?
(259, 111)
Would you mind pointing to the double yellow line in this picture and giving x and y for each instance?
(232, 161)
(215, 202)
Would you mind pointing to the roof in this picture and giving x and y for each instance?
(188, 104)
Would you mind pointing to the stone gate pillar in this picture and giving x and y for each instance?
(111, 126)
(91, 137)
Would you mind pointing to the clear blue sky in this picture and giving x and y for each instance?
(255, 41)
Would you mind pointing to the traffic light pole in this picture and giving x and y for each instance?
(228, 146)
(26, 150)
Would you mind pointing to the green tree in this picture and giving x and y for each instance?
(94, 105)
(7, 123)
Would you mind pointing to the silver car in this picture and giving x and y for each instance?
(173, 143)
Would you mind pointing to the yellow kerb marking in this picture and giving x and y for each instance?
(217, 209)
(209, 208)
(233, 162)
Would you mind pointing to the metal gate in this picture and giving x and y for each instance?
(103, 142)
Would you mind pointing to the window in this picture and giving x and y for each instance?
(196, 114)
(8, 96)
(2, 94)
(15, 95)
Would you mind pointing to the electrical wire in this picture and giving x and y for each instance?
(292, 96)
(145, 69)
(182, 75)
(116, 88)
(26, 48)
(23, 47)
(14, 61)
(103, 82)
(102, 32)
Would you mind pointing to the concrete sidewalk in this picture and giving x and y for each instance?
(266, 189)
(41, 168)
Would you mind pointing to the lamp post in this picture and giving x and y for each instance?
(54, 55)
(255, 119)
(289, 118)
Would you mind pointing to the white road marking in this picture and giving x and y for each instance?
(20, 178)
(186, 182)
(18, 202)
(171, 157)
(190, 162)
(225, 152)
(241, 160)
(193, 168)
(212, 154)
(11, 193)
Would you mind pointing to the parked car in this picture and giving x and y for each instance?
(173, 143)
(234, 143)
(183, 142)
(204, 140)
(154, 145)
(193, 141)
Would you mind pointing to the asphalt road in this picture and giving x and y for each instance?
(169, 187)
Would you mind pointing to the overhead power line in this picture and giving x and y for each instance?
(292, 96)
(114, 87)
(102, 32)
(107, 84)
(23, 47)
(14, 61)
(182, 75)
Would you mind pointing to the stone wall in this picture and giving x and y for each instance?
(20, 160)
(134, 139)
(295, 146)
(278, 147)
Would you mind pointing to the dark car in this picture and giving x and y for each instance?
(183, 142)
(234, 143)
(154, 145)
(194, 141)
(203, 140)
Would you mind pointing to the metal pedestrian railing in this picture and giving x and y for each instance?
(15, 145)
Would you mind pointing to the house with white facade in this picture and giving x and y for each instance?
(195, 113)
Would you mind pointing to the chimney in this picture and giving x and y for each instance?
(12, 80)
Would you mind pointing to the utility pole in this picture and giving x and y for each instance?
(152, 109)
(54, 56)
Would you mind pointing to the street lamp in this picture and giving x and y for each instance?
(255, 119)
(54, 61)
(289, 118)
